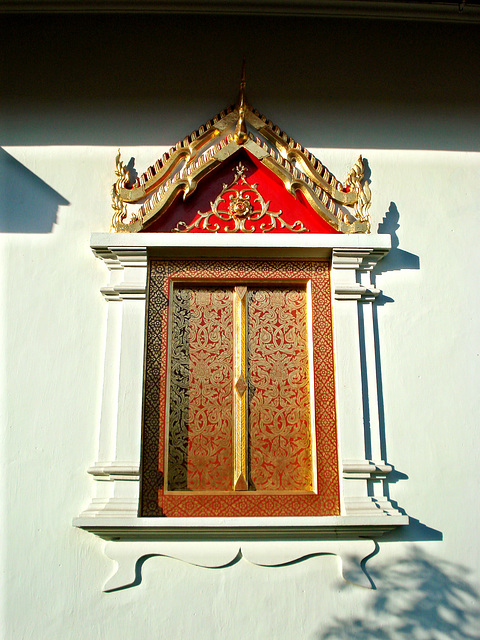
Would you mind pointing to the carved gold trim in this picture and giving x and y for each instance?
(118, 205)
(356, 182)
(184, 181)
(241, 135)
(338, 217)
(312, 167)
(178, 156)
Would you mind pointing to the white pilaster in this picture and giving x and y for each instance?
(357, 394)
(118, 461)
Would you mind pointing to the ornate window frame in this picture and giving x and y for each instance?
(113, 511)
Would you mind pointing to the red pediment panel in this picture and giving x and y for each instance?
(241, 195)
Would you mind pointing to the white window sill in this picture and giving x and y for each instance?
(310, 528)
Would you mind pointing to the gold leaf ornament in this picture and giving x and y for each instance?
(240, 210)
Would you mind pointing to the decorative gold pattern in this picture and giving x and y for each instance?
(344, 207)
(279, 444)
(280, 429)
(240, 202)
(118, 204)
(200, 421)
(324, 500)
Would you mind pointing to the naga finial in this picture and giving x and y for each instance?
(241, 135)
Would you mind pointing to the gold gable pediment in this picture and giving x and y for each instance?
(344, 206)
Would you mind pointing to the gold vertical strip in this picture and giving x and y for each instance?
(240, 482)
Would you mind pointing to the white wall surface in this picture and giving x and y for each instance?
(403, 95)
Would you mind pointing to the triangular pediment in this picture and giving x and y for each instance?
(240, 196)
(146, 203)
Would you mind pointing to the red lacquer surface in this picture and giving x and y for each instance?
(271, 188)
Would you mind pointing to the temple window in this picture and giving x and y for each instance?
(237, 374)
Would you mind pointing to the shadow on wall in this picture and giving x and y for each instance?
(396, 260)
(27, 204)
(419, 597)
(383, 84)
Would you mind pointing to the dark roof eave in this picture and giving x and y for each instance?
(381, 9)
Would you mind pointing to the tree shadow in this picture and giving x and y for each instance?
(28, 204)
(419, 597)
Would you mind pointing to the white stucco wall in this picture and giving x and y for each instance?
(412, 110)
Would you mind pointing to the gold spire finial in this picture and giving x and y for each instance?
(241, 135)
(243, 84)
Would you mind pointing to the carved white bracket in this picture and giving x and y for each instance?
(215, 554)
(355, 292)
(125, 291)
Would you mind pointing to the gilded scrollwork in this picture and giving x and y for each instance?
(280, 430)
(345, 207)
(201, 405)
(279, 447)
(241, 204)
(118, 205)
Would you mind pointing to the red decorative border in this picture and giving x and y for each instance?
(326, 501)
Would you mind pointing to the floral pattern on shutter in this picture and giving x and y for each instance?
(325, 500)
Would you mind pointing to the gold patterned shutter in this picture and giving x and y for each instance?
(201, 383)
(239, 408)
(279, 389)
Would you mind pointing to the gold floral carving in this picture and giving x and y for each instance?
(118, 205)
(201, 363)
(240, 206)
(280, 429)
(272, 447)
